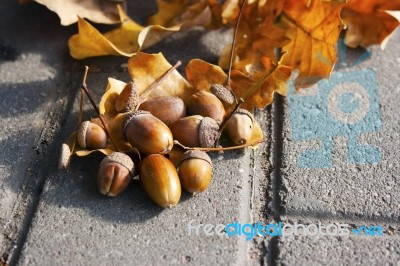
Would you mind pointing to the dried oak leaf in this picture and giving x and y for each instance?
(313, 27)
(129, 38)
(187, 13)
(370, 22)
(99, 11)
(256, 89)
(145, 69)
(258, 35)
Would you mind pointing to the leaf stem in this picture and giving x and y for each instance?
(228, 80)
(229, 116)
(220, 149)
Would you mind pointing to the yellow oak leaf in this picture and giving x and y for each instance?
(146, 69)
(187, 13)
(370, 22)
(313, 27)
(99, 11)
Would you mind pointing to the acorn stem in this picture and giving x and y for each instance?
(156, 83)
(222, 148)
(85, 89)
(80, 107)
(228, 80)
(229, 116)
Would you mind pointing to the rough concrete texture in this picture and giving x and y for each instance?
(51, 217)
(348, 189)
(31, 96)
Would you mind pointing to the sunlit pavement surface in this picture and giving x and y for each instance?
(330, 160)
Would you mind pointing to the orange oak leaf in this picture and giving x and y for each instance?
(370, 22)
(258, 35)
(256, 89)
(313, 27)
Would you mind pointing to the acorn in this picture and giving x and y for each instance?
(147, 133)
(160, 180)
(168, 108)
(206, 104)
(240, 126)
(115, 173)
(128, 99)
(91, 136)
(196, 131)
(223, 93)
(195, 171)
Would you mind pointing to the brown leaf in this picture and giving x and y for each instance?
(99, 11)
(370, 22)
(314, 27)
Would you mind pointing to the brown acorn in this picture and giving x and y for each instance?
(91, 136)
(168, 108)
(128, 99)
(147, 133)
(160, 180)
(240, 126)
(115, 173)
(195, 171)
(196, 131)
(206, 104)
(223, 93)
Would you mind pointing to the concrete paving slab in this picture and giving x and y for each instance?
(32, 83)
(329, 157)
(341, 161)
(75, 224)
(339, 251)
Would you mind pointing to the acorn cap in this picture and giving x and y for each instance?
(128, 99)
(120, 158)
(196, 154)
(208, 132)
(129, 117)
(223, 93)
(81, 133)
(245, 112)
(65, 156)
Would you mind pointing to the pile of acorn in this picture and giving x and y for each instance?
(153, 127)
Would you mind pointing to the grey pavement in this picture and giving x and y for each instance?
(331, 156)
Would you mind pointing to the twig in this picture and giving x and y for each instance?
(156, 83)
(219, 149)
(229, 116)
(228, 80)
(85, 89)
(80, 107)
